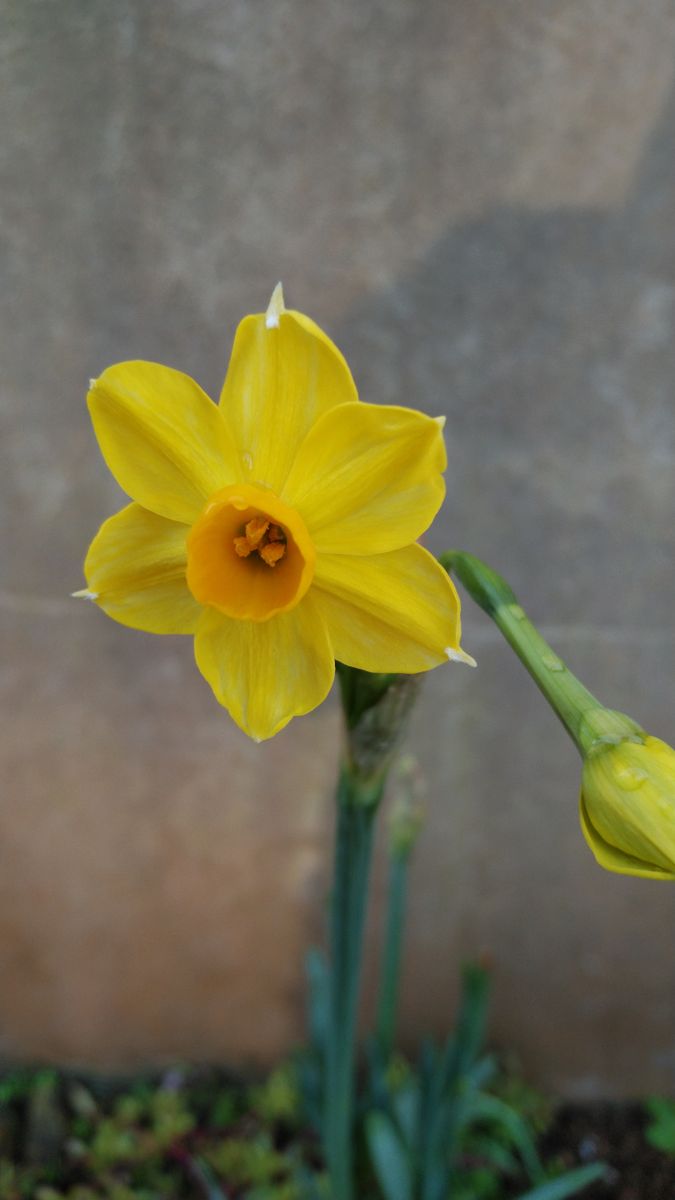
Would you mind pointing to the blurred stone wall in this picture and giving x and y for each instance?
(477, 200)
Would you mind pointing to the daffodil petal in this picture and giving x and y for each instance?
(266, 672)
(390, 612)
(135, 572)
(613, 859)
(283, 374)
(367, 478)
(167, 444)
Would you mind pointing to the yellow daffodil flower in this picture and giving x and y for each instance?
(278, 527)
(627, 806)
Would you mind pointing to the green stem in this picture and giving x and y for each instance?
(357, 803)
(586, 720)
(391, 961)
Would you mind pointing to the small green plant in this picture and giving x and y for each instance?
(247, 1161)
(660, 1132)
(444, 1131)
(278, 1099)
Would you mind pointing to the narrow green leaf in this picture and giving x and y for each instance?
(389, 1158)
(463, 1050)
(482, 1071)
(318, 980)
(566, 1185)
(491, 1151)
(482, 1107)
(406, 1104)
(203, 1175)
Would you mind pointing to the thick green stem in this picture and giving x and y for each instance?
(584, 717)
(391, 960)
(357, 804)
(375, 709)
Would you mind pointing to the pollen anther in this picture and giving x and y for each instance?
(256, 529)
(261, 536)
(272, 552)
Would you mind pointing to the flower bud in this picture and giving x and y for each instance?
(627, 806)
(375, 708)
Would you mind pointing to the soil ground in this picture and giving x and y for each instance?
(612, 1133)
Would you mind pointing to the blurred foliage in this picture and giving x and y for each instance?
(660, 1132)
(200, 1135)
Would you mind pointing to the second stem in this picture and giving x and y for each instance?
(356, 808)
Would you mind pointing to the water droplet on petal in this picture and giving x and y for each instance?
(631, 778)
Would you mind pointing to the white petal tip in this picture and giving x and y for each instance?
(460, 656)
(275, 308)
(92, 383)
(85, 594)
(440, 421)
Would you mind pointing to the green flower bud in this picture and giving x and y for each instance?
(627, 806)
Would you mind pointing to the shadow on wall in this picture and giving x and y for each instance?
(547, 340)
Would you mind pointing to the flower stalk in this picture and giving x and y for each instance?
(356, 809)
(586, 720)
(627, 795)
(375, 708)
(406, 823)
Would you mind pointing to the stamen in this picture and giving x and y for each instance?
(261, 536)
(256, 529)
(272, 552)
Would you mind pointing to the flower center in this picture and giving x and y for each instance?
(249, 554)
(261, 536)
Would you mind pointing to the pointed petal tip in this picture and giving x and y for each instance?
(275, 307)
(84, 594)
(440, 421)
(461, 656)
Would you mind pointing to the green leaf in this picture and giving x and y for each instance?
(203, 1175)
(482, 1107)
(483, 1071)
(494, 1153)
(318, 980)
(405, 1104)
(566, 1185)
(462, 1050)
(661, 1130)
(389, 1158)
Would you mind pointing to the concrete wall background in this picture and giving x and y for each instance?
(477, 201)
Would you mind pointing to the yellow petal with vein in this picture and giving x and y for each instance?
(367, 478)
(167, 444)
(135, 571)
(283, 374)
(390, 612)
(266, 672)
(613, 859)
